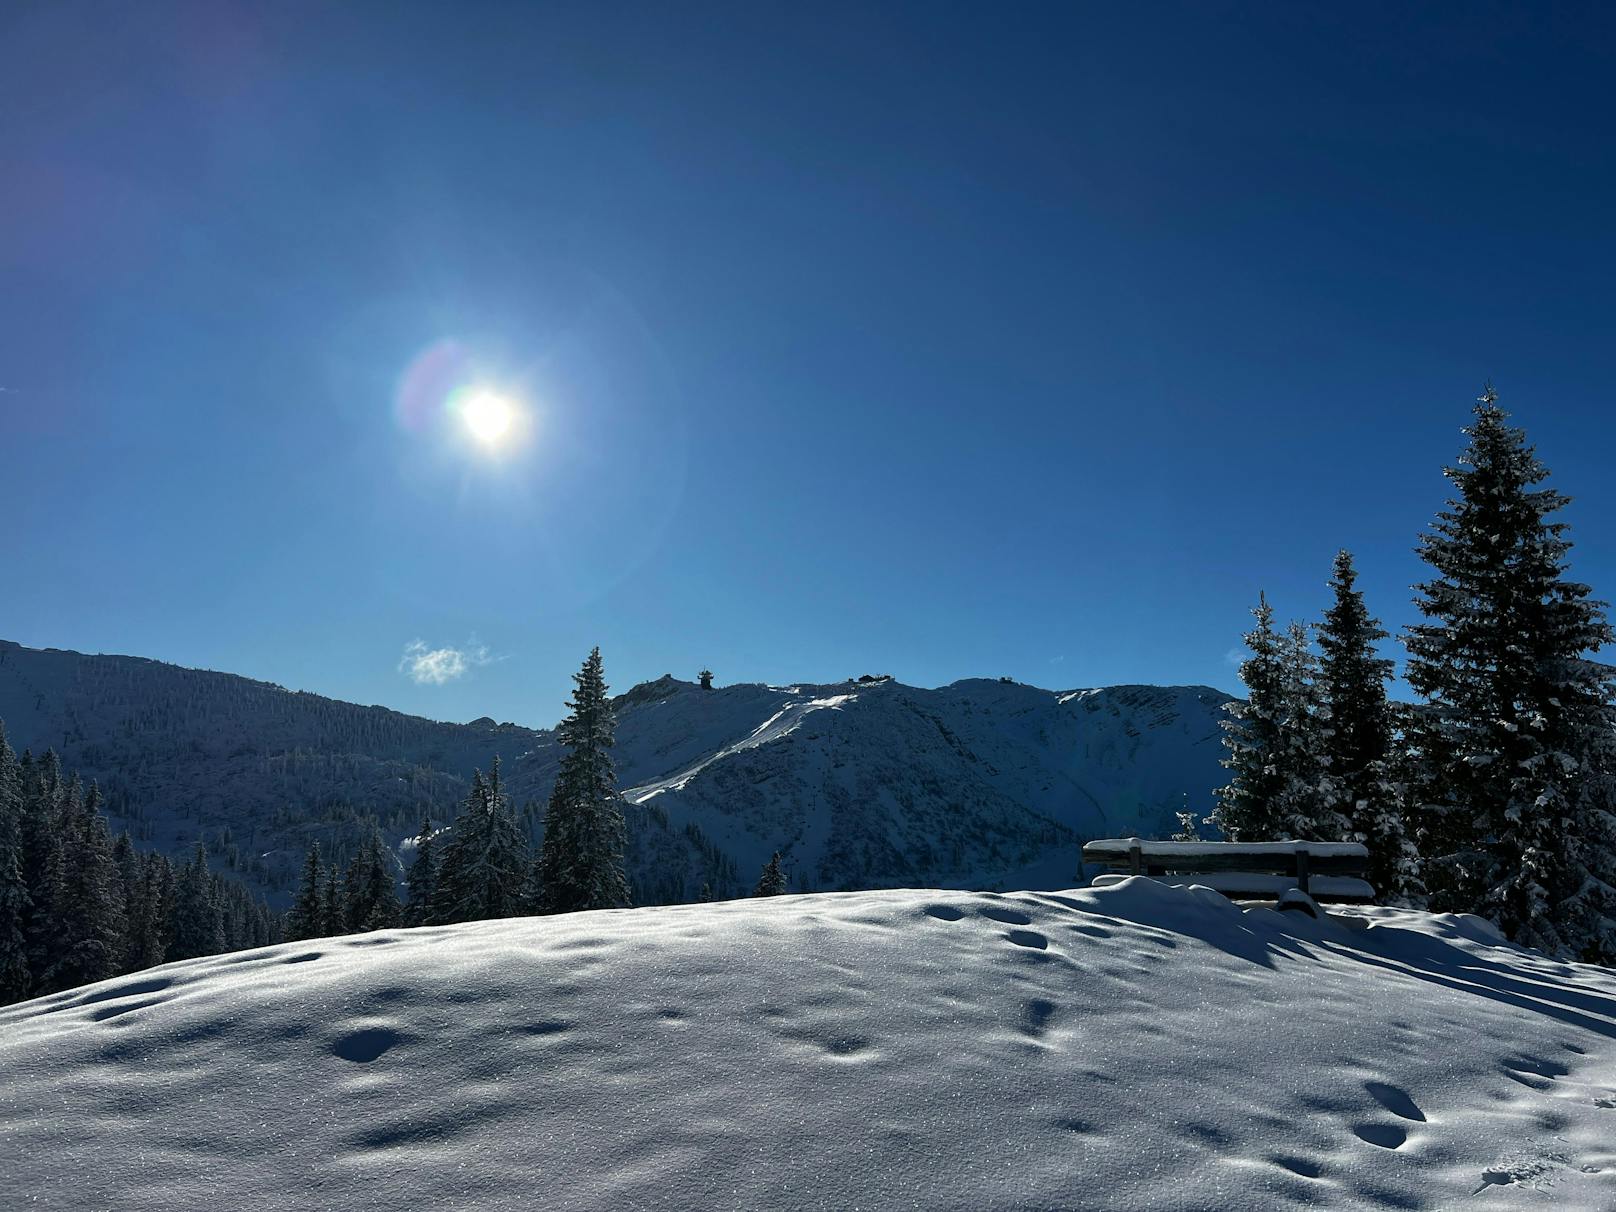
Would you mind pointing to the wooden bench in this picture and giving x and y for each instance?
(1326, 871)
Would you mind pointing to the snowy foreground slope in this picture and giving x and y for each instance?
(1133, 1047)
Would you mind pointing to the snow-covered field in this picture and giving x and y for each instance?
(1136, 1046)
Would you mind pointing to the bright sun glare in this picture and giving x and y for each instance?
(488, 416)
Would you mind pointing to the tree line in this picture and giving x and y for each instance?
(482, 865)
(1495, 792)
(77, 905)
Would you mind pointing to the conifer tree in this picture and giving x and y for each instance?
(126, 859)
(195, 925)
(773, 880)
(581, 860)
(1302, 806)
(370, 889)
(484, 872)
(533, 887)
(14, 901)
(85, 898)
(333, 919)
(1516, 769)
(1358, 739)
(306, 918)
(1246, 805)
(147, 912)
(423, 878)
(161, 880)
(42, 858)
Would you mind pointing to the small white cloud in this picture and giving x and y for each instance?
(1235, 656)
(435, 666)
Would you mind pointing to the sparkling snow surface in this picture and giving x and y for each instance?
(1135, 1046)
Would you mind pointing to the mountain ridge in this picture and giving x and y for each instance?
(862, 783)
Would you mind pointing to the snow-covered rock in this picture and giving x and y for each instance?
(859, 784)
(1130, 1047)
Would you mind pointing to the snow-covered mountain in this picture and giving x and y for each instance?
(1132, 1047)
(860, 784)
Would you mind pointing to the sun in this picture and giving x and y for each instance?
(489, 416)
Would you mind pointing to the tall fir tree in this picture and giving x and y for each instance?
(370, 889)
(581, 860)
(423, 878)
(1302, 807)
(1359, 734)
(484, 872)
(14, 901)
(86, 898)
(43, 788)
(1516, 741)
(333, 915)
(306, 917)
(195, 922)
(773, 880)
(1246, 805)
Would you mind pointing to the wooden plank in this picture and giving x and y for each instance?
(1201, 849)
(1235, 858)
(1248, 886)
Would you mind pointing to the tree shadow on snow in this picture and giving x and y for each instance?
(1414, 953)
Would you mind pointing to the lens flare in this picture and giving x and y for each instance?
(432, 377)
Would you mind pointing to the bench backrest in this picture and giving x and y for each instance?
(1260, 869)
(1140, 857)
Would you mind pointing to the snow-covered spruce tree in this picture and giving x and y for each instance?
(1516, 742)
(422, 879)
(195, 927)
(1303, 806)
(773, 880)
(370, 888)
(581, 860)
(14, 902)
(484, 871)
(148, 916)
(42, 859)
(1245, 810)
(533, 888)
(1280, 782)
(306, 917)
(87, 898)
(1358, 736)
(333, 915)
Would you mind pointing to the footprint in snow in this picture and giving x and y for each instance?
(1011, 917)
(1305, 1167)
(1028, 938)
(1387, 1136)
(1035, 1016)
(366, 1044)
(1395, 1100)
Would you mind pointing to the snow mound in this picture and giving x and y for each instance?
(1134, 1046)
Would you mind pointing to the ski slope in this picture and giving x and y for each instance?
(1130, 1047)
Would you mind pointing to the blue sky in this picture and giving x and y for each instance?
(936, 340)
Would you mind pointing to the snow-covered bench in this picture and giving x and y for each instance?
(1327, 871)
